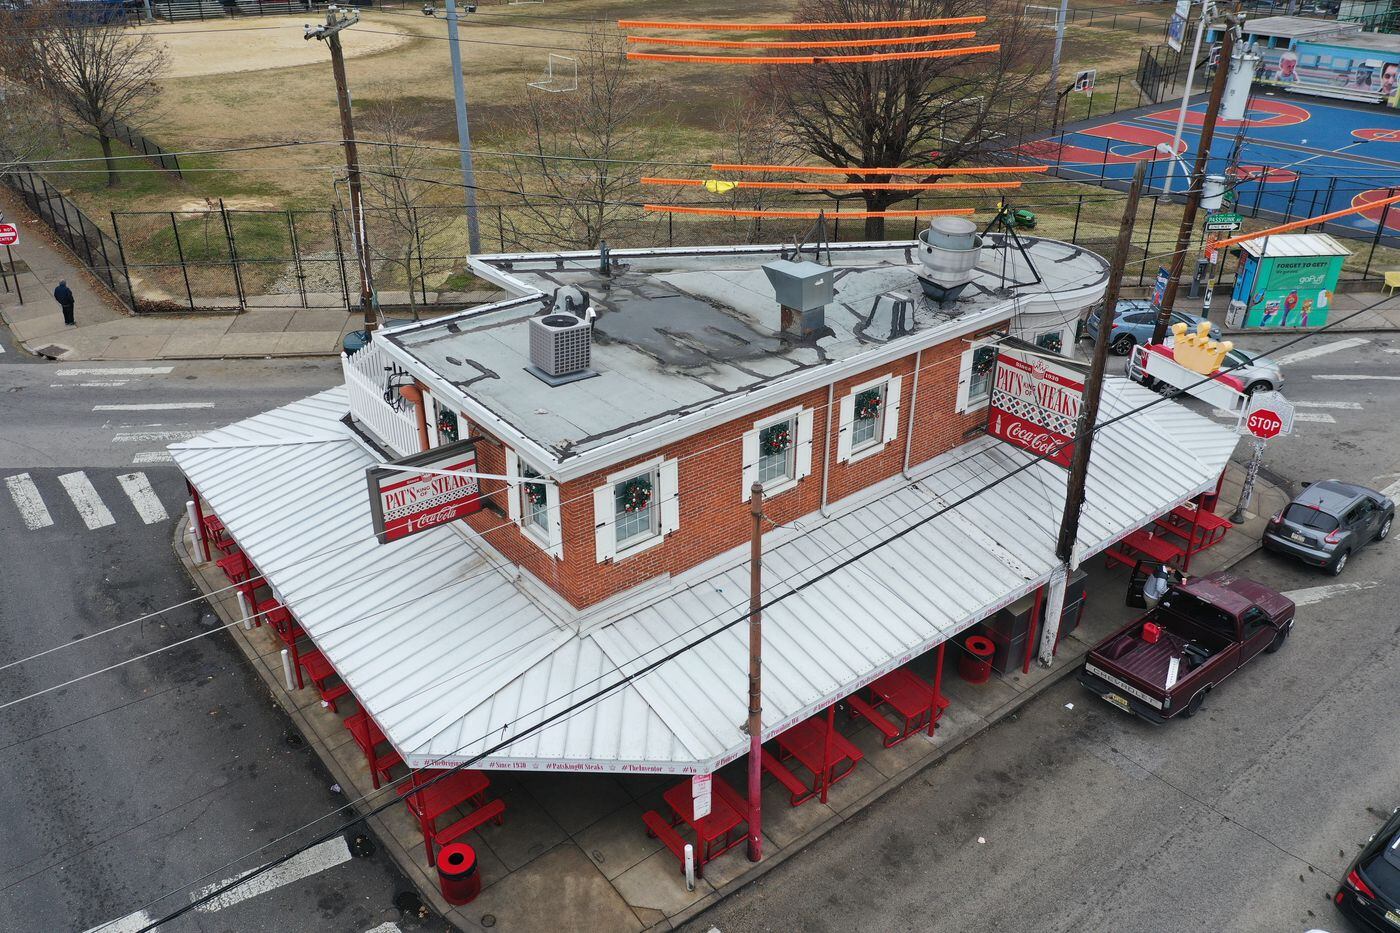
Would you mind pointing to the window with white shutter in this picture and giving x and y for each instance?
(975, 372)
(636, 508)
(534, 506)
(869, 418)
(777, 452)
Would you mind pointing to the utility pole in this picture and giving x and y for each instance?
(1088, 419)
(464, 135)
(336, 20)
(1196, 182)
(1059, 42)
(755, 725)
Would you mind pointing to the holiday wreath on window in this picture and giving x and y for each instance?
(868, 404)
(636, 494)
(447, 425)
(775, 439)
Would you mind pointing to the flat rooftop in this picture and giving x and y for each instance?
(681, 331)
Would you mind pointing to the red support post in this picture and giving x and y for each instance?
(826, 749)
(1034, 629)
(937, 685)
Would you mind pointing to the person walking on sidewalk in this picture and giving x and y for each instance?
(64, 296)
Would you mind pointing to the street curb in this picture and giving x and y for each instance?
(1287, 331)
(803, 842)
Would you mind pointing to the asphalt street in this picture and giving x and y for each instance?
(1076, 817)
(124, 793)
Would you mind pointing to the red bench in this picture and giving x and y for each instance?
(870, 714)
(658, 828)
(495, 810)
(799, 792)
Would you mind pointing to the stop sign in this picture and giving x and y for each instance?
(1264, 423)
(9, 234)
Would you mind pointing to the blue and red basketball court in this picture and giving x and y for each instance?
(1296, 158)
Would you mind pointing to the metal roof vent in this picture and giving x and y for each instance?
(561, 340)
(949, 250)
(803, 290)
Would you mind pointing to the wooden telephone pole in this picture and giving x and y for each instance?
(1195, 184)
(1088, 419)
(336, 20)
(755, 724)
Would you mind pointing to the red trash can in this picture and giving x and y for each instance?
(457, 874)
(975, 666)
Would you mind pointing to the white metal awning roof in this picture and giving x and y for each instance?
(452, 655)
(1289, 245)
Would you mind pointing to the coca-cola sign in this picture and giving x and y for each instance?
(1035, 403)
(405, 500)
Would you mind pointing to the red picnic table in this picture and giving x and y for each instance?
(910, 696)
(1200, 527)
(727, 809)
(430, 801)
(1157, 547)
(807, 742)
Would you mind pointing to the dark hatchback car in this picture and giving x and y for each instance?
(1370, 894)
(1328, 522)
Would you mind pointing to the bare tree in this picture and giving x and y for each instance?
(927, 111)
(410, 215)
(572, 194)
(753, 134)
(29, 127)
(98, 74)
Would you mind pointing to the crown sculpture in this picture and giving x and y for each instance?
(1197, 352)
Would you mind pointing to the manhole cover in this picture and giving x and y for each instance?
(293, 739)
(361, 845)
(488, 920)
(53, 350)
(408, 902)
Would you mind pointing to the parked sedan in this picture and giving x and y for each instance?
(1133, 322)
(1328, 522)
(1370, 894)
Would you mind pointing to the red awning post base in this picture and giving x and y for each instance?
(937, 706)
(826, 750)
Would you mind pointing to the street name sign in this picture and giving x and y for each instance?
(1223, 222)
(404, 499)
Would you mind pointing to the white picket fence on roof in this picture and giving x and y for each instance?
(366, 380)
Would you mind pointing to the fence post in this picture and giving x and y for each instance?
(1259, 192)
(121, 254)
(233, 258)
(422, 274)
(1074, 237)
(1380, 229)
(1151, 221)
(180, 250)
(1103, 167)
(1292, 193)
(501, 226)
(1327, 204)
(1117, 89)
(340, 257)
(296, 259)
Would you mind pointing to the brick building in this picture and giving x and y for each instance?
(621, 407)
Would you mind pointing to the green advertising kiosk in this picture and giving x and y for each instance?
(1286, 280)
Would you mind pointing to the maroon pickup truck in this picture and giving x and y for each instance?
(1201, 632)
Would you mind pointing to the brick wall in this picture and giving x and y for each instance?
(713, 514)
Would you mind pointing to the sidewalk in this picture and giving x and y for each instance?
(574, 854)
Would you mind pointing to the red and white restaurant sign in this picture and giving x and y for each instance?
(1035, 403)
(404, 500)
(9, 235)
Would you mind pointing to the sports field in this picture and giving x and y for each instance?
(1289, 157)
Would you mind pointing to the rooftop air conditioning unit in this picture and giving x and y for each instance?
(949, 250)
(561, 341)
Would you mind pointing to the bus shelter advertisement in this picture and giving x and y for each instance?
(1294, 291)
(1035, 403)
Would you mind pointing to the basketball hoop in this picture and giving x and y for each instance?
(1084, 81)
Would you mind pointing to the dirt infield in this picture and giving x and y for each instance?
(235, 45)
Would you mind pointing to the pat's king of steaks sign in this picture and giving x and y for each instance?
(1035, 402)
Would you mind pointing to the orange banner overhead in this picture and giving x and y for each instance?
(770, 27)
(797, 215)
(797, 44)
(813, 59)
(903, 170)
(836, 186)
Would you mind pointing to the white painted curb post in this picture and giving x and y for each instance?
(245, 611)
(287, 670)
(689, 867)
(196, 539)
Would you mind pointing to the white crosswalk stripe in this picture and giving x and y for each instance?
(1355, 378)
(1313, 352)
(149, 437)
(91, 508)
(143, 497)
(153, 456)
(30, 504)
(1321, 417)
(116, 371)
(1340, 406)
(154, 406)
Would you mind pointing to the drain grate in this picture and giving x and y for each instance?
(293, 739)
(408, 901)
(53, 351)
